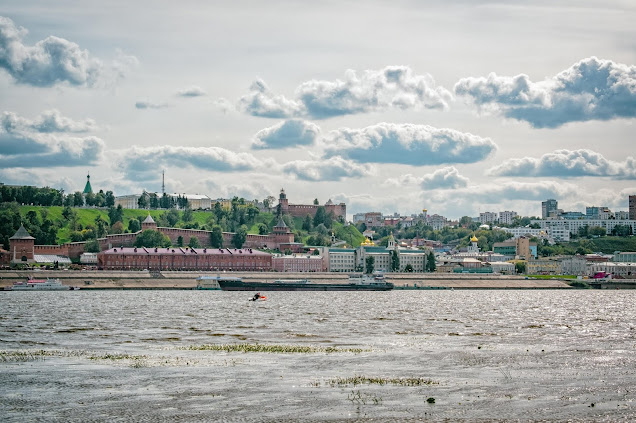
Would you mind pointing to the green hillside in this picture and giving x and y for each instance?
(85, 218)
(605, 244)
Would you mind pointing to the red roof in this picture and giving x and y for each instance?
(184, 251)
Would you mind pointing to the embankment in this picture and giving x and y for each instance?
(187, 280)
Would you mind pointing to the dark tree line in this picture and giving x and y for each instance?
(47, 197)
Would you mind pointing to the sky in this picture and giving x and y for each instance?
(388, 106)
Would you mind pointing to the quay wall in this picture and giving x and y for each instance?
(187, 280)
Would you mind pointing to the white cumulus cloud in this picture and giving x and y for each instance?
(408, 144)
(144, 163)
(289, 133)
(592, 89)
(332, 169)
(371, 90)
(47, 121)
(567, 164)
(261, 101)
(192, 91)
(53, 60)
(444, 178)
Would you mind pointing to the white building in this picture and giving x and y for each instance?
(341, 260)
(358, 218)
(196, 201)
(487, 217)
(507, 217)
(128, 201)
(573, 226)
(625, 270)
(621, 215)
(436, 221)
(625, 257)
(574, 265)
(503, 267)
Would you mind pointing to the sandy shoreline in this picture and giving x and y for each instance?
(187, 280)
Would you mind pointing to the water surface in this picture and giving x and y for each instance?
(481, 355)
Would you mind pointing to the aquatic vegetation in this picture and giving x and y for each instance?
(116, 357)
(272, 348)
(361, 380)
(18, 356)
(362, 398)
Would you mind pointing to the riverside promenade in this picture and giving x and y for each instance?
(144, 279)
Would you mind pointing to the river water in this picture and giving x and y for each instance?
(462, 355)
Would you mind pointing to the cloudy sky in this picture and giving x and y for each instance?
(387, 106)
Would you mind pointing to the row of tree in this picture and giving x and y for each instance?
(54, 197)
(430, 266)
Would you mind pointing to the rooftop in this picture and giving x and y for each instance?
(184, 251)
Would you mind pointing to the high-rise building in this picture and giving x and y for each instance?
(507, 217)
(487, 217)
(547, 207)
(632, 207)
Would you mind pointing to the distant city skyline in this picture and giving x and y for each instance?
(458, 108)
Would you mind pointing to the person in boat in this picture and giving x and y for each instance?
(256, 296)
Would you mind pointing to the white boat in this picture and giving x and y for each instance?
(47, 284)
(366, 279)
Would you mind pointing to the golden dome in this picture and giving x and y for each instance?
(474, 239)
(367, 242)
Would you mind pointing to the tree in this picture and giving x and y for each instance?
(240, 236)
(408, 268)
(520, 267)
(101, 226)
(262, 229)
(100, 199)
(316, 201)
(430, 262)
(218, 211)
(134, 225)
(109, 199)
(597, 231)
(172, 216)
(151, 239)
(465, 221)
(395, 261)
(115, 214)
(622, 230)
(370, 264)
(194, 242)
(307, 223)
(76, 236)
(89, 197)
(143, 200)
(179, 241)
(78, 199)
(92, 246)
(117, 228)
(216, 236)
(187, 214)
(320, 216)
(67, 213)
(153, 200)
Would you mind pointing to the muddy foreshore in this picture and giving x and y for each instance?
(187, 280)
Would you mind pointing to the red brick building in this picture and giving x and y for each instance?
(298, 263)
(176, 258)
(302, 210)
(21, 246)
